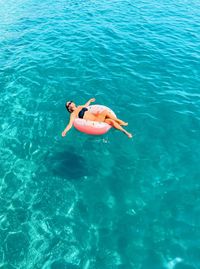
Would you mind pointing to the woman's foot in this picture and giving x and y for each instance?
(123, 123)
(129, 135)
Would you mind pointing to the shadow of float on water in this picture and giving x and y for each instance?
(68, 164)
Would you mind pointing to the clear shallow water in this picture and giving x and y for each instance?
(100, 202)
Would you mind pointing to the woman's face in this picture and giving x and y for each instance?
(71, 105)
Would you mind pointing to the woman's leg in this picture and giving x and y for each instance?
(107, 115)
(118, 127)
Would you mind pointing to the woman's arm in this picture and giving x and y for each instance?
(90, 101)
(69, 126)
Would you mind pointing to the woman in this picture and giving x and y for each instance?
(83, 113)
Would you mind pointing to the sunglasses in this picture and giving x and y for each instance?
(69, 104)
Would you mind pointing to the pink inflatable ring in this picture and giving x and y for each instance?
(93, 127)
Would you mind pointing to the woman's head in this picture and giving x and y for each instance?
(70, 106)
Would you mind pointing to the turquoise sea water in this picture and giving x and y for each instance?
(108, 201)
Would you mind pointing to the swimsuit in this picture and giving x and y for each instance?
(82, 112)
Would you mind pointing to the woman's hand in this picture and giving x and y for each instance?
(90, 101)
(70, 124)
(63, 133)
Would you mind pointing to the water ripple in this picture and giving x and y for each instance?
(99, 202)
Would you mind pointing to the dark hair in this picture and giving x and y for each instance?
(67, 106)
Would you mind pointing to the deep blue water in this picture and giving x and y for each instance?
(108, 201)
